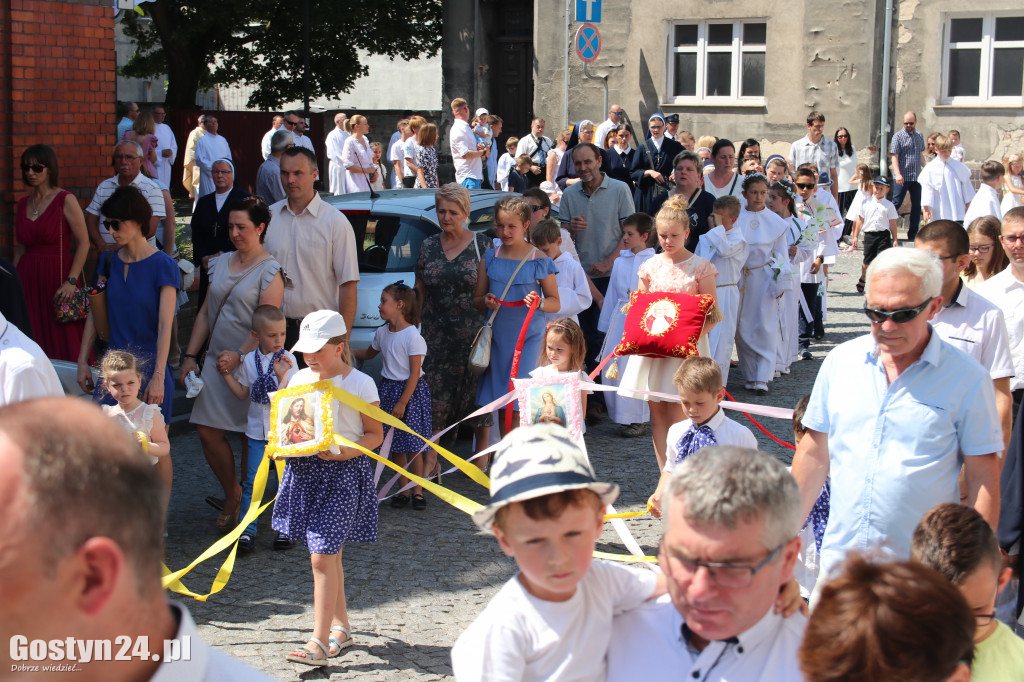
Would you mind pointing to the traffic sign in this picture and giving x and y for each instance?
(588, 42)
(588, 10)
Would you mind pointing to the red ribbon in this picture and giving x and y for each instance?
(519, 351)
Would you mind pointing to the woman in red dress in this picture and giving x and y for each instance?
(49, 225)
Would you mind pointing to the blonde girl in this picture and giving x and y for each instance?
(675, 270)
(329, 499)
(1013, 184)
(123, 379)
(563, 351)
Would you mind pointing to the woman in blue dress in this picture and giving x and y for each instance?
(142, 283)
(536, 276)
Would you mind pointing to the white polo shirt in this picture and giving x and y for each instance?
(1007, 292)
(976, 326)
(876, 214)
(149, 188)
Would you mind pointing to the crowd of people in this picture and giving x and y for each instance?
(922, 472)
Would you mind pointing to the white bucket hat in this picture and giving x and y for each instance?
(537, 460)
(317, 329)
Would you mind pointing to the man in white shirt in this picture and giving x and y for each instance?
(966, 320)
(734, 512)
(299, 130)
(127, 159)
(315, 245)
(81, 532)
(397, 153)
(167, 146)
(25, 371)
(614, 118)
(335, 146)
(946, 189)
(1006, 290)
(536, 146)
(986, 200)
(210, 147)
(672, 126)
(817, 149)
(274, 127)
(467, 153)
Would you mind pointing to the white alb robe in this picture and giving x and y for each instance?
(727, 251)
(165, 140)
(210, 148)
(789, 305)
(335, 170)
(946, 188)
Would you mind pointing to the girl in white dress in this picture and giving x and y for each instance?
(782, 202)
(357, 158)
(675, 270)
(760, 286)
(122, 378)
(1013, 184)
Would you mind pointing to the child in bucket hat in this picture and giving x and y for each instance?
(553, 620)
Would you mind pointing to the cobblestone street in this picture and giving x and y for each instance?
(430, 573)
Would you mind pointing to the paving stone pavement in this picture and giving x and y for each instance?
(430, 573)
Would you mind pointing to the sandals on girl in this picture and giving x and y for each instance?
(860, 285)
(306, 656)
(419, 502)
(337, 645)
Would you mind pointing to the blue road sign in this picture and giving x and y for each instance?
(588, 10)
(588, 42)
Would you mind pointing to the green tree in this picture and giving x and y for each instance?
(202, 43)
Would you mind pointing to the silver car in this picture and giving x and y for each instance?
(389, 231)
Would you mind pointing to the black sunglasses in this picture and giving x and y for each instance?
(805, 185)
(112, 224)
(290, 123)
(34, 167)
(901, 316)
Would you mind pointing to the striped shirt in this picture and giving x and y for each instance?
(149, 188)
(908, 149)
(824, 154)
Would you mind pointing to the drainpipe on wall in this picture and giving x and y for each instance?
(883, 148)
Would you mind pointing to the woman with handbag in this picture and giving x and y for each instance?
(49, 222)
(240, 281)
(446, 275)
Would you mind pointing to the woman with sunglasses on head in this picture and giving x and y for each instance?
(141, 285)
(847, 171)
(49, 225)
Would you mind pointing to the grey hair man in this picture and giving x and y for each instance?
(127, 161)
(923, 411)
(731, 520)
(81, 527)
(268, 178)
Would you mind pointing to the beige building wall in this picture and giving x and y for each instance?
(825, 56)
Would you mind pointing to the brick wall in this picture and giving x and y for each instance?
(57, 87)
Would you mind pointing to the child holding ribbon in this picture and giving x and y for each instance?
(329, 498)
(123, 378)
(260, 373)
(404, 392)
(515, 271)
(564, 350)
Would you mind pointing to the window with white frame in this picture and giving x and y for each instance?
(983, 59)
(717, 61)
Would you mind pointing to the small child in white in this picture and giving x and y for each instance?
(957, 152)
(573, 289)
(260, 372)
(506, 162)
(986, 201)
(553, 620)
(636, 232)
(946, 187)
(699, 382)
(725, 247)
(877, 220)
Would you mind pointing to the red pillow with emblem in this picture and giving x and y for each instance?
(660, 324)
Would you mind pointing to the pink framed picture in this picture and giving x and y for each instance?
(551, 400)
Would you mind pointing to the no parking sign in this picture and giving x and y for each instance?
(588, 42)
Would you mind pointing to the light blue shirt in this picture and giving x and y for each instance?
(895, 451)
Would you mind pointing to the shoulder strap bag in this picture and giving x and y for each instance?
(480, 351)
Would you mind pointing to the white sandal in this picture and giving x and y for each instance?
(306, 656)
(337, 645)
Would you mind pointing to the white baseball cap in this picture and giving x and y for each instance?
(317, 329)
(481, 112)
(537, 460)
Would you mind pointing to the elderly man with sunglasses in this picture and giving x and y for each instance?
(893, 417)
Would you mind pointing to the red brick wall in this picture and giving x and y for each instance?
(57, 87)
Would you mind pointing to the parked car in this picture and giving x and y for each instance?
(389, 231)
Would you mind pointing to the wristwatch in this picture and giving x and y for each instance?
(72, 280)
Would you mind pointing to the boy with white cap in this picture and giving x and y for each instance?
(552, 621)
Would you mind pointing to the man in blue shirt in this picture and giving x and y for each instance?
(892, 418)
(907, 153)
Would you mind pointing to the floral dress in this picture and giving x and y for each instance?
(426, 158)
(449, 324)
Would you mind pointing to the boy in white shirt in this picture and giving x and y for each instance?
(814, 273)
(699, 383)
(946, 187)
(632, 413)
(986, 201)
(507, 162)
(725, 247)
(573, 290)
(260, 372)
(397, 154)
(877, 220)
(553, 620)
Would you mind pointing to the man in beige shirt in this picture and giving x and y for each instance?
(190, 178)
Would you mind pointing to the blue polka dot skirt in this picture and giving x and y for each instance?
(327, 503)
(417, 413)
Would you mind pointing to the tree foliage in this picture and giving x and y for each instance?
(202, 43)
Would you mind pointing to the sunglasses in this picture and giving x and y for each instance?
(901, 316)
(114, 225)
(805, 185)
(34, 167)
(291, 123)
